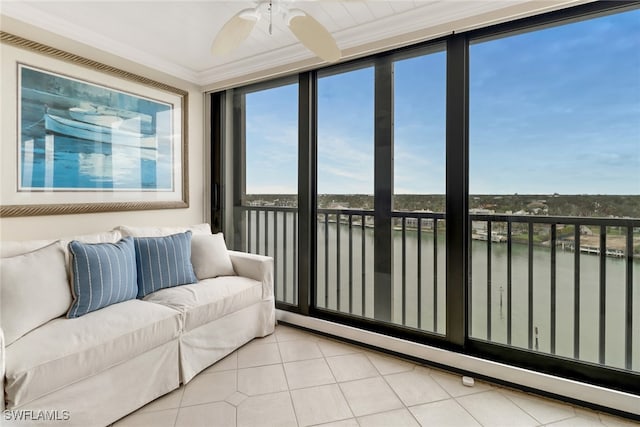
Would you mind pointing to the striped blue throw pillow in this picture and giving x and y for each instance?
(163, 262)
(103, 274)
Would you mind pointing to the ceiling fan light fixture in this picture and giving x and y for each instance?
(293, 13)
(313, 35)
(250, 14)
(235, 31)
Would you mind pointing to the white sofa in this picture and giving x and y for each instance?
(94, 369)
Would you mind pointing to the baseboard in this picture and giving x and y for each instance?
(591, 395)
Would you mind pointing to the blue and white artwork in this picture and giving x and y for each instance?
(79, 136)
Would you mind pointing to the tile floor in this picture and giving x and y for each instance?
(295, 378)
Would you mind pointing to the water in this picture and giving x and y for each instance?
(336, 293)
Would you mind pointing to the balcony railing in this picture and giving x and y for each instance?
(575, 280)
(273, 231)
(535, 282)
(345, 262)
(419, 269)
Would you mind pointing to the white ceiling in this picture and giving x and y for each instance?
(175, 36)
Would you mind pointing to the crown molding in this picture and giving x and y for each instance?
(394, 31)
(427, 21)
(256, 63)
(22, 11)
(348, 39)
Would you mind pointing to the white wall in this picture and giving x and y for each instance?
(42, 227)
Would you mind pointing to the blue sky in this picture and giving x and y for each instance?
(556, 110)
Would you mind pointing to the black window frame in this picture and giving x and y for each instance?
(457, 187)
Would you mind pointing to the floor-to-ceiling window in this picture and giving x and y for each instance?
(533, 126)
(554, 170)
(267, 212)
(419, 186)
(345, 186)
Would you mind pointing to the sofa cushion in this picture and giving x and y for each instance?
(210, 257)
(209, 299)
(34, 289)
(65, 351)
(12, 248)
(163, 262)
(127, 230)
(102, 274)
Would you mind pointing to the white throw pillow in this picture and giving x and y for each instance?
(13, 248)
(34, 290)
(209, 256)
(127, 230)
(9, 248)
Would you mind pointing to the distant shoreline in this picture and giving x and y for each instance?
(578, 205)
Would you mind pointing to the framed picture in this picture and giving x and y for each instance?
(81, 136)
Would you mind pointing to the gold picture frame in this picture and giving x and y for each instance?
(79, 136)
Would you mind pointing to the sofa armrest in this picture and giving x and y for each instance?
(2, 370)
(256, 267)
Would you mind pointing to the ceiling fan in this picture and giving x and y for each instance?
(307, 29)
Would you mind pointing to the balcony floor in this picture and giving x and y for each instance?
(296, 378)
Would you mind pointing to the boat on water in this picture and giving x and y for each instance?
(108, 134)
(483, 235)
(93, 116)
(113, 117)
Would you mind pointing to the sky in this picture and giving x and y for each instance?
(551, 111)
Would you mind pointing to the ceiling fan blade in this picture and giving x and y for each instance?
(235, 31)
(313, 35)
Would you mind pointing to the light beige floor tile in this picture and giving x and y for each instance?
(307, 373)
(291, 351)
(444, 413)
(228, 363)
(423, 369)
(258, 355)
(170, 400)
(613, 421)
(261, 380)
(166, 418)
(334, 348)
(209, 388)
(586, 413)
(321, 404)
(351, 367)
(416, 387)
(577, 422)
(544, 410)
(389, 364)
(269, 339)
(351, 422)
(273, 409)
(287, 333)
(236, 398)
(493, 409)
(397, 418)
(452, 383)
(212, 398)
(219, 414)
(370, 396)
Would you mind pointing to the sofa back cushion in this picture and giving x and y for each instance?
(102, 274)
(163, 262)
(10, 248)
(210, 257)
(127, 230)
(34, 289)
(13, 248)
